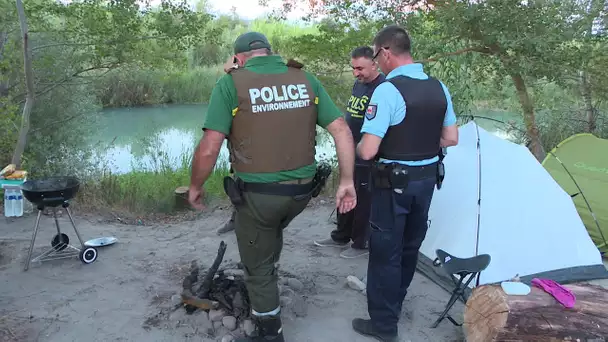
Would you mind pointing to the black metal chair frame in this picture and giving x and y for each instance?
(460, 284)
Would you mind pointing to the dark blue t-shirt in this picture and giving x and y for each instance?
(357, 104)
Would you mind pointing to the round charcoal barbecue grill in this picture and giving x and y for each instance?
(54, 192)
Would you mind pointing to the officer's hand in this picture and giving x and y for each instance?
(195, 198)
(346, 197)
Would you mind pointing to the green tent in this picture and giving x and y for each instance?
(579, 165)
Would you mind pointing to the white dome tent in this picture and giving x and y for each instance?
(497, 199)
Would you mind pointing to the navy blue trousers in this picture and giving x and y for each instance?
(398, 227)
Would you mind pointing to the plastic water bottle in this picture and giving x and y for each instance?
(18, 206)
(13, 200)
(8, 202)
(7, 206)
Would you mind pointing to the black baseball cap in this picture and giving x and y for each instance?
(250, 41)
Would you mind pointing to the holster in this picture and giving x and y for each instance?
(440, 174)
(441, 168)
(233, 190)
(320, 179)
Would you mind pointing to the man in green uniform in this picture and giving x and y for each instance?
(268, 111)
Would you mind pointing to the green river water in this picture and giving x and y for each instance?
(128, 138)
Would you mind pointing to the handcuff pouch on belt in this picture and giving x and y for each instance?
(234, 190)
(395, 176)
(399, 177)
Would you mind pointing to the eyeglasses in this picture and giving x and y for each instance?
(378, 52)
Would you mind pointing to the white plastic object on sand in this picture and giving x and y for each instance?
(515, 288)
(100, 242)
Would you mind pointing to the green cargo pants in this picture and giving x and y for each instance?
(259, 231)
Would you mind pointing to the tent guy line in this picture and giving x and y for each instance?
(478, 276)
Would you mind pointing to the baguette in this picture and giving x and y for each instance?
(10, 168)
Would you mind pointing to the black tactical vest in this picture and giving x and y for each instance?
(418, 136)
(357, 104)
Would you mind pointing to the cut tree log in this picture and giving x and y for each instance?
(181, 198)
(492, 315)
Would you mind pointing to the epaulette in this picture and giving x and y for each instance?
(292, 63)
(232, 69)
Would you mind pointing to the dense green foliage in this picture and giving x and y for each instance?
(543, 59)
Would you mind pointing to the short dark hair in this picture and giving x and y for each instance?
(362, 51)
(395, 38)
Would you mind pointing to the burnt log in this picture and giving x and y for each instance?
(205, 288)
(190, 300)
(492, 315)
(217, 290)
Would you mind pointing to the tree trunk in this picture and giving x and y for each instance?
(529, 119)
(181, 198)
(492, 315)
(3, 84)
(586, 94)
(29, 82)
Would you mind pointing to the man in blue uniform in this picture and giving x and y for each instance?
(409, 119)
(354, 225)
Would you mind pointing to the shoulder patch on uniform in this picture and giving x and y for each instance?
(370, 112)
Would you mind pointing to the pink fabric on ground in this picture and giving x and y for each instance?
(560, 293)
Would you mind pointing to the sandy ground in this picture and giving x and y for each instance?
(120, 296)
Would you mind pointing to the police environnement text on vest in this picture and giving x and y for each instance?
(279, 97)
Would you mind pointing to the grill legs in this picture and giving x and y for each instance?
(73, 225)
(60, 244)
(29, 255)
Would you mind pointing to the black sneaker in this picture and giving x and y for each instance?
(365, 327)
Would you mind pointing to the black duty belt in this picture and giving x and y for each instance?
(290, 188)
(296, 188)
(383, 173)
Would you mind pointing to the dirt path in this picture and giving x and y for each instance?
(126, 294)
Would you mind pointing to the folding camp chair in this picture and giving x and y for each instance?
(462, 267)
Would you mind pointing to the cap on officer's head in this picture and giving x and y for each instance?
(250, 41)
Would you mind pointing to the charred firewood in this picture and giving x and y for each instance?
(205, 288)
(191, 301)
(192, 278)
(187, 285)
(231, 293)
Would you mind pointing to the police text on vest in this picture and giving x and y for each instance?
(279, 97)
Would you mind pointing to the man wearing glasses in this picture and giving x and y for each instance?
(409, 120)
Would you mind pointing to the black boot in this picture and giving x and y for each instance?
(365, 327)
(229, 226)
(268, 328)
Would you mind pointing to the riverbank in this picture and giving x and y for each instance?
(134, 87)
(144, 197)
(146, 194)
